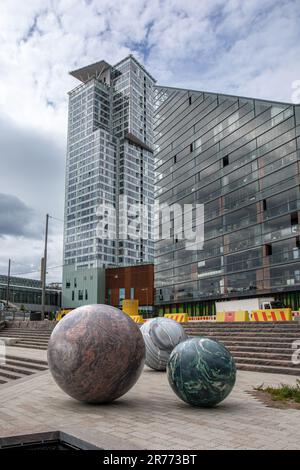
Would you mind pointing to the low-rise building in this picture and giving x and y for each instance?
(27, 293)
(130, 282)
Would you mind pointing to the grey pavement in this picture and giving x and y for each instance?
(150, 416)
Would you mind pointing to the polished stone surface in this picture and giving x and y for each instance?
(201, 371)
(161, 335)
(96, 353)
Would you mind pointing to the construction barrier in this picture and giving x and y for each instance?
(137, 318)
(179, 317)
(62, 313)
(238, 315)
(203, 318)
(296, 316)
(277, 314)
(130, 307)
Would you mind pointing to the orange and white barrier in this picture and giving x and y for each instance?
(277, 314)
(179, 317)
(203, 318)
(232, 316)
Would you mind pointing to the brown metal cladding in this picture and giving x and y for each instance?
(140, 277)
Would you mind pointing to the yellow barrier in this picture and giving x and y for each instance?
(277, 314)
(137, 318)
(62, 313)
(203, 318)
(130, 306)
(179, 317)
(239, 315)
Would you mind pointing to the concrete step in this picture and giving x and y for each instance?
(31, 340)
(7, 332)
(16, 370)
(259, 355)
(25, 365)
(24, 328)
(242, 335)
(267, 362)
(243, 330)
(193, 326)
(261, 350)
(26, 331)
(199, 332)
(233, 334)
(20, 338)
(259, 347)
(20, 333)
(269, 369)
(250, 340)
(30, 346)
(9, 376)
(17, 367)
(244, 326)
(255, 344)
(27, 360)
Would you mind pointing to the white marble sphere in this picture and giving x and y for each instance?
(161, 335)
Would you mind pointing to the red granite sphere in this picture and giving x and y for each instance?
(96, 353)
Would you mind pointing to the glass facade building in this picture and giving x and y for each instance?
(240, 158)
(109, 159)
(28, 292)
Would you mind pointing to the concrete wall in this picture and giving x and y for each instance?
(32, 325)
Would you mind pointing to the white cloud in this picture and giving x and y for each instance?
(26, 256)
(245, 47)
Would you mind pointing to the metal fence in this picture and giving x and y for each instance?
(14, 315)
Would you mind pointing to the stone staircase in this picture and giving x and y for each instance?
(32, 338)
(259, 347)
(16, 368)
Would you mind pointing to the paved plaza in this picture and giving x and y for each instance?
(150, 416)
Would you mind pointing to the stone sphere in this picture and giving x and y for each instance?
(96, 353)
(161, 335)
(201, 372)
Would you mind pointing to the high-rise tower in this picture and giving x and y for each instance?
(109, 174)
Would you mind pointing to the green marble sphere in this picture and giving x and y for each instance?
(201, 371)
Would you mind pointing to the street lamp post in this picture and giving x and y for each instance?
(8, 283)
(44, 265)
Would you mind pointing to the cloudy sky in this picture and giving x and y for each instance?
(247, 47)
